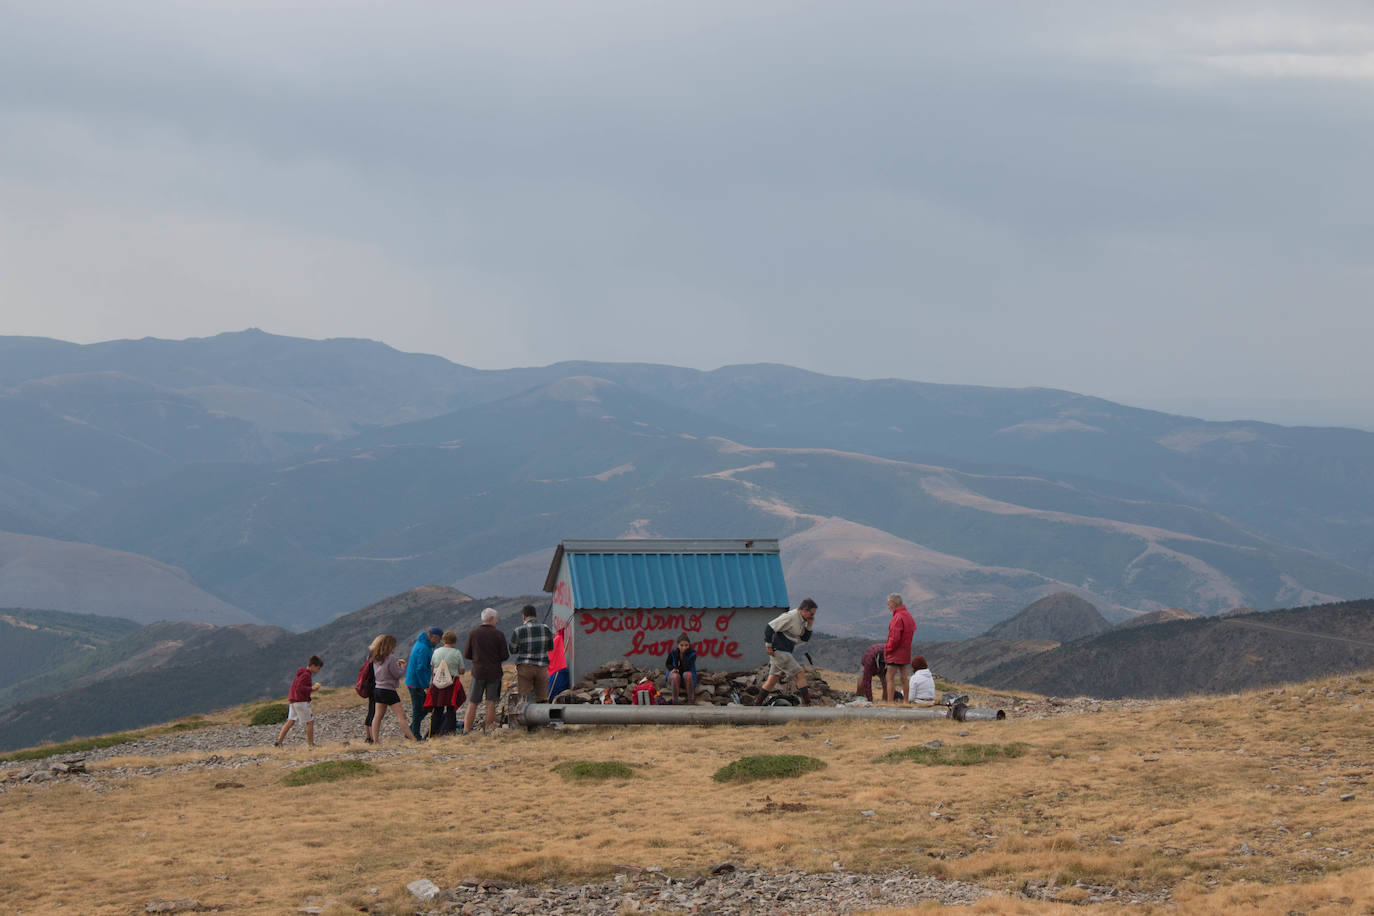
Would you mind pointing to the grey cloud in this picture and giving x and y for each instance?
(944, 191)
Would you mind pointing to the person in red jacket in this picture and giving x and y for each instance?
(872, 665)
(897, 649)
(303, 686)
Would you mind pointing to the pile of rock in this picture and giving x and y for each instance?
(718, 688)
(52, 769)
(726, 890)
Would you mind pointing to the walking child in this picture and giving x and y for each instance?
(303, 687)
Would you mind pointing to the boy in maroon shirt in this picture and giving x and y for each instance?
(302, 688)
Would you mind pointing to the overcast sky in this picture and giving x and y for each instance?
(1168, 205)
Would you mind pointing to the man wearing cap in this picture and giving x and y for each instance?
(418, 674)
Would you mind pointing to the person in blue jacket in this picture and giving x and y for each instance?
(418, 674)
(682, 669)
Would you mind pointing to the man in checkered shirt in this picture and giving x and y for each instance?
(530, 645)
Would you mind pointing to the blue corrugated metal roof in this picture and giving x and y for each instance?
(676, 580)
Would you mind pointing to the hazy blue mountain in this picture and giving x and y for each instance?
(295, 478)
(33, 641)
(452, 498)
(1060, 617)
(346, 383)
(81, 578)
(1204, 655)
(177, 669)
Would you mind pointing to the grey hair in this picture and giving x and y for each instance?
(894, 598)
(489, 615)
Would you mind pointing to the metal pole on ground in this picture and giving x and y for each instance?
(536, 714)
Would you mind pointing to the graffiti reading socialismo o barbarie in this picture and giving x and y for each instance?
(645, 627)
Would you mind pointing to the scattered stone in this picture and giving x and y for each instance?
(181, 905)
(1348, 797)
(728, 890)
(424, 890)
(773, 807)
(869, 813)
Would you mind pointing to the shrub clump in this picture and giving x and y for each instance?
(768, 766)
(959, 755)
(329, 771)
(587, 770)
(271, 714)
(188, 725)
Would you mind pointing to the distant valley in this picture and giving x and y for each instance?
(291, 481)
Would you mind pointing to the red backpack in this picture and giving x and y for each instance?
(367, 679)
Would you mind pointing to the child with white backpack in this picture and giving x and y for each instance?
(445, 693)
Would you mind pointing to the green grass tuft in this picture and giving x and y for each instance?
(585, 770)
(271, 714)
(188, 725)
(329, 771)
(70, 747)
(767, 766)
(959, 755)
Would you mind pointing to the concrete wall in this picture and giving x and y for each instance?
(725, 640)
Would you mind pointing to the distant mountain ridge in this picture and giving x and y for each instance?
(1061, 617)
(296, 478)
(41, 572)
(1202, 655)
(177, 669)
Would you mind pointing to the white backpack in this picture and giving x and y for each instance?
(442, 677)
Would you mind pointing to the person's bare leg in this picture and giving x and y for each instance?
(489, 707)
(691, 688)
(470, 716)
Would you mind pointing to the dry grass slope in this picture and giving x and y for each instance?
(1214, 805)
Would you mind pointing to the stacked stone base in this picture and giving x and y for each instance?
(718, 688)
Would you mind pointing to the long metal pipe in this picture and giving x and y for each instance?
(536, 714)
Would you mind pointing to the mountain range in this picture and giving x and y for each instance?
(291, 480)
(84, 683)
(64, 675)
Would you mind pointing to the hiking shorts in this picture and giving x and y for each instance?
(300, 712)
(783, 664)
(484, 690)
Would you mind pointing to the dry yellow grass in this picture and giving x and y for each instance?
(1227, 804)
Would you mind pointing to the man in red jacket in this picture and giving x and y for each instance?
(897, 649)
